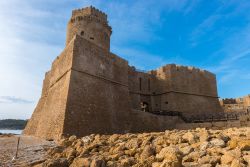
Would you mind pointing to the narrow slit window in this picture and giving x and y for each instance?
(92, 38)
(140, 83)
(148, 84)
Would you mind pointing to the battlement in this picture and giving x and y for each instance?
(180, 68)
(229, 101)
(89, 11)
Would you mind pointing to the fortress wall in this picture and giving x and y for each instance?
(31, 127)
(246, 101)
(140, 85)
(184, 89)
(161, 80)
(46, 84)
(147, 122)
(139, 82)
(61, 64)
(35, 120)
(98, 100)
(175, 88)
(213, 125)
(94, 60)
(192, 80)
(190, 104)
(48, 118)
(52, 113)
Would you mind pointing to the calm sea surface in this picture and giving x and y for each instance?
(17, 132)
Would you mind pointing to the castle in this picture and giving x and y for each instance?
(241, 104)
(91, 90)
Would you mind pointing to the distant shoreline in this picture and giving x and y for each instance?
(12, 124)
(9, 129)
(10, 132)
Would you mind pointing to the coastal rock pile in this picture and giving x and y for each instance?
(176, 148)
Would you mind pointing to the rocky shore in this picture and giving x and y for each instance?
(31, 150)
(176, 148)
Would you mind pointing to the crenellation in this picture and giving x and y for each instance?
(89, 11)
(241, 104)
(189, 69)
(117, 59)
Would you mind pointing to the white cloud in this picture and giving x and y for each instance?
(23, 60)
(145, 61)
(11, 99)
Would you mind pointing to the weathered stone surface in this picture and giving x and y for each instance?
(170, 152)
(244, 145)
(227, 158)
(190, 137)
(81, 162)
(98, 163)
(186, 150)
(218, 142)
(148, 151)
(212, 160)
(157, 149)
(61, 162)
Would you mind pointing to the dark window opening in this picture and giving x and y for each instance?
(166, 102)
(92, 38)
(144, 106)
(148, 84)
(105, 37)
(140, 83)
(82, 33)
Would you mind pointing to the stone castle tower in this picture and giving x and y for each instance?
(91, 90)
(92, 25)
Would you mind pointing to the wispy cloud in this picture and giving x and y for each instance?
(137, 21)
(146, 61)
(229, 61)
(12, 99)
(203, 28)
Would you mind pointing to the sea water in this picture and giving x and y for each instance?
(6, 131)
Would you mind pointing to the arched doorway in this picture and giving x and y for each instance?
(144, 106)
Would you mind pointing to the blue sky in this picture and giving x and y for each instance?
(212, 35)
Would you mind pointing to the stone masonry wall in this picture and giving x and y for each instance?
(47, 121)
(190, 80)
(246, 102)
(98, 100)
(175, 88)
(140, 85)
(98, 95)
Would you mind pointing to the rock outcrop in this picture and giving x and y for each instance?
(176, 148)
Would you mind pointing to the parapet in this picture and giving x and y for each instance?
(180, 68)
(89, 11)
(229, 101)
